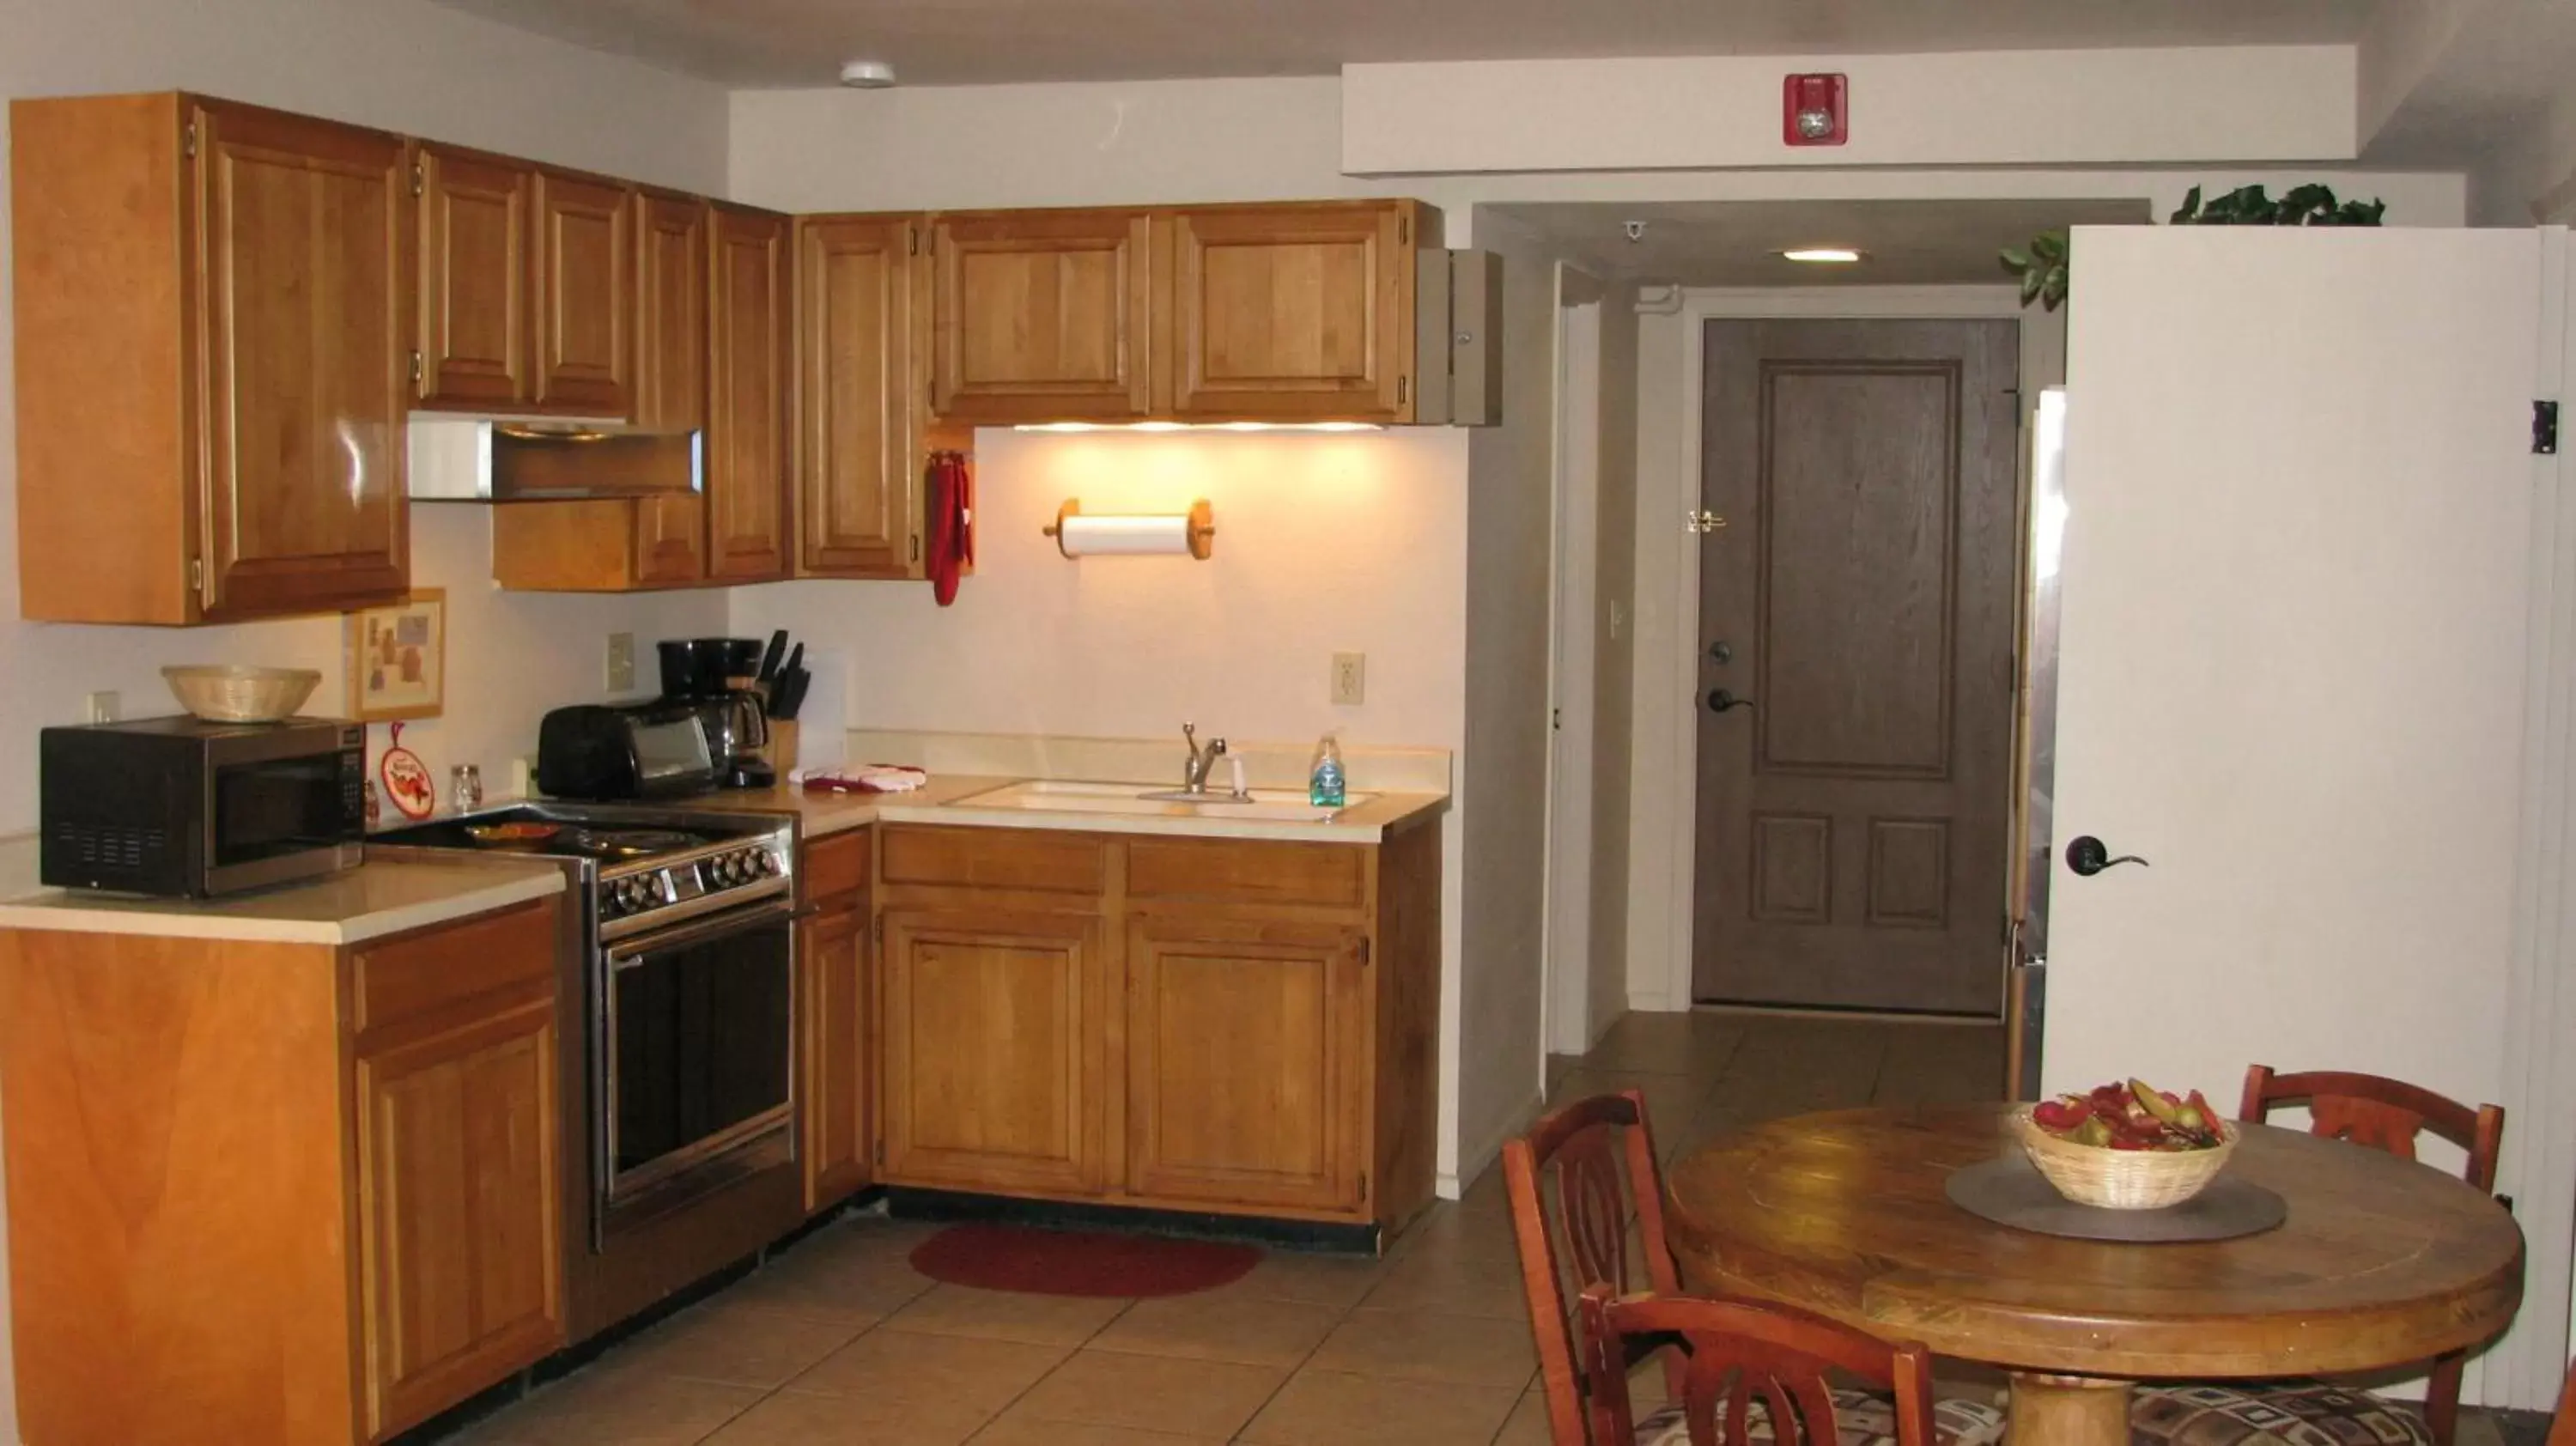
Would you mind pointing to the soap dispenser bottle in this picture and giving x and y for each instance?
(1325, 787)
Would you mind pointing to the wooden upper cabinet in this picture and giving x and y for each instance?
(1247, 1062)
(1292, 313)
(857, 497)
(672, 259)
(995, 1050)
(586, 297)
(1042, 316)
(749, 385)
(474, 277)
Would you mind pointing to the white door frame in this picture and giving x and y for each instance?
(1566, 1021)
(1663, 801)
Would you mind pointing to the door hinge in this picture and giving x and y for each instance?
(196, 574)
(2544, 429)
(417, 368)
(1367, 949)
(916, 547)
(1404, 230)
(419, 177)
(188, 140)
(877, 1152)
(879, 928)
(1403, 389)
(1556, 720)
(1364, 1185)
(912, 241)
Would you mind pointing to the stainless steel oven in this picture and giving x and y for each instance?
(696, 1086)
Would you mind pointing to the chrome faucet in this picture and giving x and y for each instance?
(1194, 774)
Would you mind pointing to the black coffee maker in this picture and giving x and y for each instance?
(713, 678)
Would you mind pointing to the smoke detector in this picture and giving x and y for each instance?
(867, 75)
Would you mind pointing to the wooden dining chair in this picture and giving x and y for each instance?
(2562, 1427)
(2382, 1114)
(1575, 1184)
(1763, 1373)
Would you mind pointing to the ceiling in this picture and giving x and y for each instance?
(756, 43)
(1737, 243)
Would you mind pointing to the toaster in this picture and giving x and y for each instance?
(604, 753)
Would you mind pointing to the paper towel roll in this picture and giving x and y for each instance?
(1133, 534)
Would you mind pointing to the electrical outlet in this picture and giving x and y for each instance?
(621, 662)
(1350, 678)
(104, 706)
(1618, 615)
(523, 777)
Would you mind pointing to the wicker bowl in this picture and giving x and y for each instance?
(2122, 1179)
(239, 693)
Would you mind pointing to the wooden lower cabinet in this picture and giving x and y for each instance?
(995, 1050)
(458, 1171)
(834, 1051)
(284, 1193)
(1247, 1061)
(1190, 1024)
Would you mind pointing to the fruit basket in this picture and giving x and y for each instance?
(238, 693)
(2085, 1165)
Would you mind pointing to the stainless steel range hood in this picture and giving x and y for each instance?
(496, 459)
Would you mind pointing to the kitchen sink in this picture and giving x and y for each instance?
(1057, 795)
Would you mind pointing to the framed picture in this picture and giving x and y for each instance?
(397, 658)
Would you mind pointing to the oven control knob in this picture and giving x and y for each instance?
(657, 887)
(765, 863)
(726, 871)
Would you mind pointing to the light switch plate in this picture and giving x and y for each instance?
(104, 706)
(1350, 679)
(621, 662)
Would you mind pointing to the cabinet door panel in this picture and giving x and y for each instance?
(747, 422)
(671, 375)
(585, 295)
(307, 255)
(994, 1045)
(1293, 312)
(1042, 316)
(856, 448)
(457, 1203)
(832, 948)
(474, 278)
(1247, 1062)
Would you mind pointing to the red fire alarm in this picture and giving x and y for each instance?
(1813, 110)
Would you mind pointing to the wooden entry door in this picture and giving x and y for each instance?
(1856, 663)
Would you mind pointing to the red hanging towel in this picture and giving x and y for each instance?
(952, 523)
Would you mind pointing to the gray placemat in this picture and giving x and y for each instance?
(2011, 1191)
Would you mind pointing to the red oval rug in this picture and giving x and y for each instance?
(1079, 1262)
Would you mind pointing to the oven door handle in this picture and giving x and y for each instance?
(628, 953)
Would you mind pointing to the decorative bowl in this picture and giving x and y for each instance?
(240, 693)
(2122, 1179)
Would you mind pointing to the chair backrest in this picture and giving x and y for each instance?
(1741, 1355)
(2383, 1113)
(1599, 1156)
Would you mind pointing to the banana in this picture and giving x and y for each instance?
(2153, 1101)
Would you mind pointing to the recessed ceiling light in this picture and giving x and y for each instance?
(1822, 255)
(867, 75)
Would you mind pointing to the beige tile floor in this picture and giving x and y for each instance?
(840, 1343)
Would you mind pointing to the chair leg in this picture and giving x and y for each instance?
(2442, 1398)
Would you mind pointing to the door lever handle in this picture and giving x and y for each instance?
(1720, 701)
(2088, 856)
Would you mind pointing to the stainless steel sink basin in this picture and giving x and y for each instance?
(1057, 795)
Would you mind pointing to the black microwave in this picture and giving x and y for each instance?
(183, 808)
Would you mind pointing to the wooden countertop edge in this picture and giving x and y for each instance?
(62, 913)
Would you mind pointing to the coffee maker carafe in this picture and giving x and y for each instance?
(737, 729)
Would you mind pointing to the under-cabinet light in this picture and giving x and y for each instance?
(1822, 255)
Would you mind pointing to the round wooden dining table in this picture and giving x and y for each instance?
(2381, 1262)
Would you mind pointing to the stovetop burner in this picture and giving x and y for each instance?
(620, 843)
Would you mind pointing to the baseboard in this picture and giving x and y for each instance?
(1473, 1165)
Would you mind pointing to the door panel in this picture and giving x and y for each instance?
(995, 1047)
(458, 1211)
(1293, 312)
(1854, 814)
(832, 959)
(672, 269)
(474, 279)
(856, 453)
(307, 251)
(2298, 486)
(1042, 315)
(585, 295)
(1246, 1047)
(747, 426)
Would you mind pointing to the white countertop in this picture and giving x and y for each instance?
(938, 802)
(365, 903)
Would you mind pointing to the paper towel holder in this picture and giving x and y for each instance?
(1196, 534)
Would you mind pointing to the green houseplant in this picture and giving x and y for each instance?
(2041, 266)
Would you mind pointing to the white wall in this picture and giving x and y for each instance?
(407, 66)
(2096, 107)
